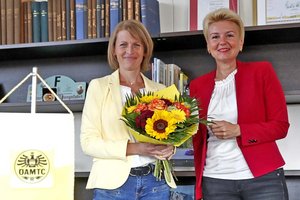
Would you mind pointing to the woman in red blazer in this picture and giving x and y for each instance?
(236, 156)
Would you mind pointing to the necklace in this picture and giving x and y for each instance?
(132, 83)
(130, 80)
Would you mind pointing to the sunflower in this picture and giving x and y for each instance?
(178, 115)
(160, 125)
(147, 99)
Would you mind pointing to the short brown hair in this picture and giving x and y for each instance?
(138, 31)
(223, 14)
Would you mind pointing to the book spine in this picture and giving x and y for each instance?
(181, 18)
(114, 14)
(89, 25)
(17, 21)
(130, 9)
(63, 19)
(9, 22)
(72, 20)
(29, 22)
(100, 15)
(22, 23)
(81, 19)
(68, 19)
(193, 15)
(54, 21)
(3, 21)
(50, 20)
(36, 21)
(120, 10)
(98, 18)
(125, 11)
(107, 19)
(44, 21)
(137, 10)
(24, 38)
(102, 29)
(150, 16)
(234, 5)
(58, 21)
(85, 19)
(94, 20)
(166, 16)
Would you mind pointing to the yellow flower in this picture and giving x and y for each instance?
(178, 115)
(160, 125)
(131, 109)
(147, 99)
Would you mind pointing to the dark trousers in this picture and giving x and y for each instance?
(271, 186)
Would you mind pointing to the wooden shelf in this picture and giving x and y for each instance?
(256, 35)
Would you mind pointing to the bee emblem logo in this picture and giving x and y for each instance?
(32, 166)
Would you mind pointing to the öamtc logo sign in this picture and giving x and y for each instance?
(32, 166)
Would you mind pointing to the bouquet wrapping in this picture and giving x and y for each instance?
(162, 117)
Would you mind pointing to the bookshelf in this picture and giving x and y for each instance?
(84, 60)
(255, 35)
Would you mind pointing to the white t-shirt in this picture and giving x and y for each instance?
(137, 160)
(224, 158)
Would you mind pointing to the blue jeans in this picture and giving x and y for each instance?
(271, 186)
(136, 188)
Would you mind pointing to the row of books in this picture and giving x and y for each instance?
(169, 74)
(27, 21)
(85, 19)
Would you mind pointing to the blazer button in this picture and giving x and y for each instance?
(252, 141)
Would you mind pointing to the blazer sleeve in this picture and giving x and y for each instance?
(94, 141)
(267, 119)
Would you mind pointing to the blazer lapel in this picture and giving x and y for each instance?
(114, 90)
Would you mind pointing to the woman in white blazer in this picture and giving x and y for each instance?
(122, 168)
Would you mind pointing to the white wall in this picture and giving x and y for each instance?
(83, 162)
(289, 146)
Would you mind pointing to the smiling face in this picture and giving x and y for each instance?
(129, 51)
(224, 41)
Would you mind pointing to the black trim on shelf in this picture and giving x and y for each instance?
(292, 97)
(255, 35)
(69, 48)
(43, 107)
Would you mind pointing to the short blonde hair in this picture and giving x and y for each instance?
(138, 31)
(223, 14)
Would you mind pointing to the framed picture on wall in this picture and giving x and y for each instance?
(206, 6)
(277, 11)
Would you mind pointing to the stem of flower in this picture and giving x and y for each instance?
(167, 169)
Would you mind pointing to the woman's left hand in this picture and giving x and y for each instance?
(225, 130)
(165, 152)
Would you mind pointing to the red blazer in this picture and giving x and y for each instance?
(262, 116)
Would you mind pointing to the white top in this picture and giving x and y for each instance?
(137, 160)
(224, 158)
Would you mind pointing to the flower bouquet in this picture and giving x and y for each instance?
(162, 117)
